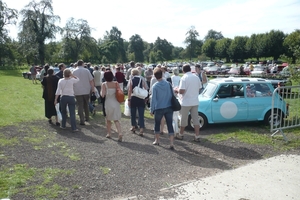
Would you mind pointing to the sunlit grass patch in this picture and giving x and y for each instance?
(105, 170)
(20, 177)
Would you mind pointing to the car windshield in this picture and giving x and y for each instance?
(209, 90)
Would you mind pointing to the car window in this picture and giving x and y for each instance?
(258, 90)
(224, 91)
(209, 90)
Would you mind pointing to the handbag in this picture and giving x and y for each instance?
(174, 101)
(139, 92)
(119, 94)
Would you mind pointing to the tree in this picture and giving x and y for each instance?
(221, 48)
(76, 39)
(208, 48)
(136, 46)
(7, 17)
(237, 50)
(164, 47)
(116, 35)
(275, 43)
(192, 42)
(212, 34)
(292, 44)
(256, 46)
(38, 25)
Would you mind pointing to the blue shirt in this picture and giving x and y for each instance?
(161, 95)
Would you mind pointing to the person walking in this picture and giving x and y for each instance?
(112, 106)
(120, 77)
(161, 106)
(33, 73)
(189, 88)
(97, 81)
(49, 84)
(135, 103)
(202, 76)
(82, 90)
(66, 91)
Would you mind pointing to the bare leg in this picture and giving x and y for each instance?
(118, 126)
(108, 128)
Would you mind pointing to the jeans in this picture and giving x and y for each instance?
(141, 121)
(168, 114)
(70, 102)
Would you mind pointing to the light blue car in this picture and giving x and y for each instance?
(233, 99)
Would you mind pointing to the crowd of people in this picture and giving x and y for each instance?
(74, 88)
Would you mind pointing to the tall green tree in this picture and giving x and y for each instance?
(77, 39)
(275, 40)
(116, 35)
(208, 48)
(237, 49)
(136, 46)
(256, 46)
(292, 44)
(164, 47)
(192, 42)
(212, 34)
(38, 25)
(8, 16)
(222, 47)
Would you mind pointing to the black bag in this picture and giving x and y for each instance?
(174, 101)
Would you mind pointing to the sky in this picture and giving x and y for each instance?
(171, 19)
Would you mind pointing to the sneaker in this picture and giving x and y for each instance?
(76, 130)
(62, 128)
(197, 138)
(179, 136)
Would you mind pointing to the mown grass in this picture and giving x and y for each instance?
(17, 179)
(21, 101)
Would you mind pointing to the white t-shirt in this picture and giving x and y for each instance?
(191, 84)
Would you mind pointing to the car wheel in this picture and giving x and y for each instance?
(277, 116)
(202, 119)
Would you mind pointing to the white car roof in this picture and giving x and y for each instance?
(238, 80)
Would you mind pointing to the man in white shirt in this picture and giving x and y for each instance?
(82, 90)
(189, 88)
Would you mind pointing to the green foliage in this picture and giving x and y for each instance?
(208, 48)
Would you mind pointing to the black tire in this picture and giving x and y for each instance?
(278, 118)
(202, 119)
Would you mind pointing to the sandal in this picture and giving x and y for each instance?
(120, 138)
(197, 138)
(141, 133)
(179, 136)
(156, 143)
(108, 136)
(50, 121)
(172, 147)
(132, 130)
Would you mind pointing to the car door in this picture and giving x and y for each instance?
(260, 101)
(229, 105)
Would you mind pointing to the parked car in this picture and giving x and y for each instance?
(225, 69)
(258, 71)
(227, 100)
(213, 70)
(234, 71)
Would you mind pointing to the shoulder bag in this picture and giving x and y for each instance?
(119, 94)
(174, 101)
(139, 92)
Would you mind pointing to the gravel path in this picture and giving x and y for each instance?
(108, 169)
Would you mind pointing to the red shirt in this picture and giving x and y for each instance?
(120, 77)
